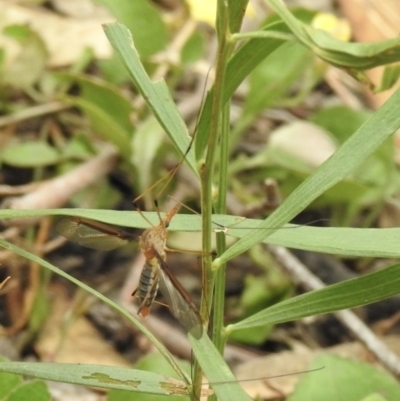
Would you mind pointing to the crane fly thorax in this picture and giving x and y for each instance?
(153, 241)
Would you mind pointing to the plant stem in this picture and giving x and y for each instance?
(219, 291)
(207, 170)
(225, 48)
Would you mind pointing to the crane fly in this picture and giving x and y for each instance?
(155, 273)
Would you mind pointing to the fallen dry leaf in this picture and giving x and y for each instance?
(65, 38)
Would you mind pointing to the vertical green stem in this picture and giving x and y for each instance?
(219, 290)
(225, 48)
(207, 170)
(218, 109)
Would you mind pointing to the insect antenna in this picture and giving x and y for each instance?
(137, 208)
(158, 210)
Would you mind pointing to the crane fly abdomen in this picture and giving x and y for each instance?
(148, 286)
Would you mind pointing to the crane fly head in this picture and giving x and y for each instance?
(167, 219)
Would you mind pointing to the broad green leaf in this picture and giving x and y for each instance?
(194, 48)
(105, 96)
(347, 158)
(347, 294)
(156, 94)
(144, 22)
(30, 154)
(341, 121)
(79, 147)
(35, 390)
(345, 380)
(104, 124)
(27, 67)
(110, 377)
(8, 381)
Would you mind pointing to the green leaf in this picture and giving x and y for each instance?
(345, 380)
(216, 370)
(146, 142)
(110, 377)
(359, 56)
(194, 48)
(30, 154)
(113, 70)
(104, 124)
(276, 77)
(151, 363)
(156, 94)
(341, 121)
(347, 294)
(236, 9)
(245, 59)
(128, 315)
(143, 21)
(251, 54)
(8, 381)
(79, 147)
(27, 67)
(337, 241)
(348, 157)
(390, 76)
(105, 96)
(35, 390)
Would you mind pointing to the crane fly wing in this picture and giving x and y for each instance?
(93, 234)
(182, 307)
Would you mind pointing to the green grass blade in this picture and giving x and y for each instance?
(110, 377)
(156, 94)
(101, 297)
(360, 56)
(216, 370)
(337, 241)
(349, 156)
(348, 294)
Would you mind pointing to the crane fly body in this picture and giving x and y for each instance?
(155, 273)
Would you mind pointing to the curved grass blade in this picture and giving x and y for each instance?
(349, 156)
(348, 294)
(101, 297)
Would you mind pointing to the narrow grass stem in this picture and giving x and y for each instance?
(225, 48)
(219, 289)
